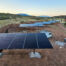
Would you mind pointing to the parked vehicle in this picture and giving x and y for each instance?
(47, 33)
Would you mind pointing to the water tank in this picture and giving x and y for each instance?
(64, 39)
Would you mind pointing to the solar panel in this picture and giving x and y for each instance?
(43, 41)
(30, 41)
(24, 41)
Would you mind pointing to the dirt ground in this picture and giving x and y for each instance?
(50, 57)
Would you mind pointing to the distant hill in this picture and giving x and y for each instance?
(61, 16)
(44, 16)
(23, 14)
(8, 16)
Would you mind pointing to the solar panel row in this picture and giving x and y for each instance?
(24, 41)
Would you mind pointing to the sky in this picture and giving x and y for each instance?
(34, 7)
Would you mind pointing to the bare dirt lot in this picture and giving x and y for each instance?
(53, 57)
(50, 57)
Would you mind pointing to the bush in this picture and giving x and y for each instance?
(64, 23)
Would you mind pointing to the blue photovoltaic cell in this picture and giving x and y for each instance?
(11, 40)
(4, 42)
(43, 41)
(24, 41)
(18, 42)
(30, 41)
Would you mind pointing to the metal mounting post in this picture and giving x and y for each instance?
(34, 54)
(1, 52)
(34, 51)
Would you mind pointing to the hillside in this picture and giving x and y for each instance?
(61, 16)
(24, 14)
(8, 16)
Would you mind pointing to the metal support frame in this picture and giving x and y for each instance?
(34, 54)
(1, 52)
(34, 51)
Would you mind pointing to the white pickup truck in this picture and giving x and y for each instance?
(47, 33)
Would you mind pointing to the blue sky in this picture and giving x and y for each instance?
(34, 7)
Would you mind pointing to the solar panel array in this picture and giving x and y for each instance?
(40, 24)
(24, 41)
